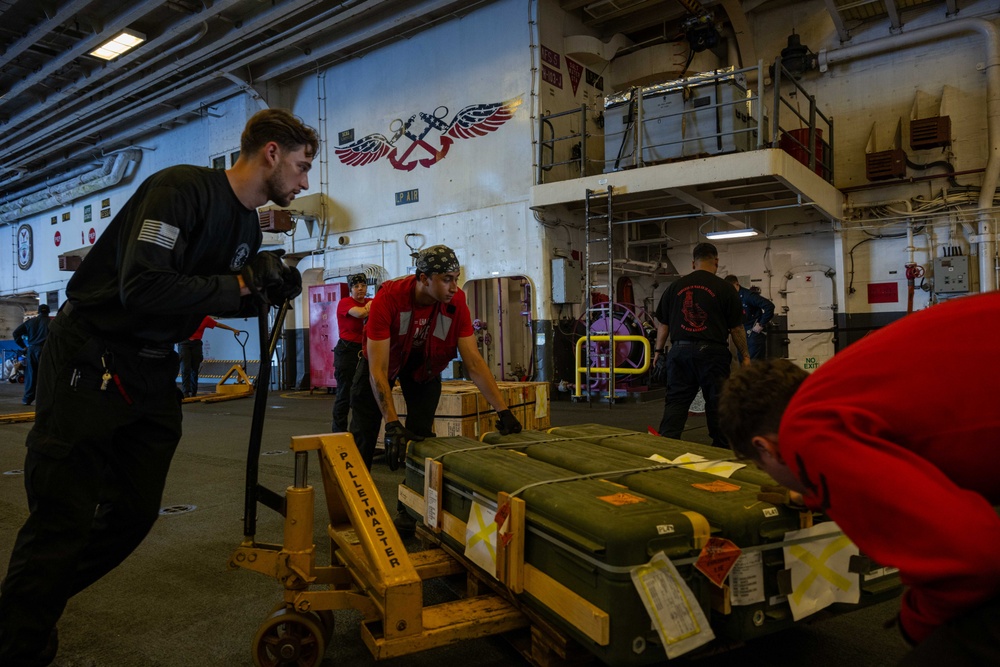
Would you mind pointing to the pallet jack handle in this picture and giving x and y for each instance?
(252, 490)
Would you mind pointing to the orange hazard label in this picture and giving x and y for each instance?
(717, 559)
(621, 499)
(717, 486)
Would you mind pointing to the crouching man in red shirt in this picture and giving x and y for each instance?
(908, 472)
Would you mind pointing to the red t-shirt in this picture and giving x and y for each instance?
(350, 327)
(207, 323)
(382, 312)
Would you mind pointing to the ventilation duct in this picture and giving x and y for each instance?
(109, 174)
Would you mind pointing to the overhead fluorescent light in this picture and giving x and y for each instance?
(727, 234)
(124, 41)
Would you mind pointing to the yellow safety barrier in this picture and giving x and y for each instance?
(607, 369)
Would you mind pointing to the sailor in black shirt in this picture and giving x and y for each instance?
(109, 412)
(699, 312)
(30, 336)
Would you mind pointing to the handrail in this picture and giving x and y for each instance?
(612, 368)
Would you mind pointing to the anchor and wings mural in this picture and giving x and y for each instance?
(425, 138)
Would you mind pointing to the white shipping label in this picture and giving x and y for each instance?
(746, 579)
(431, 508)
(672, 607)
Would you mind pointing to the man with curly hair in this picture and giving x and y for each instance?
(909, 476)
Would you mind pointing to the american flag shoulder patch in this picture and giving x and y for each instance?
(159, 233)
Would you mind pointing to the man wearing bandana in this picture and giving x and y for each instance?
(416, 326)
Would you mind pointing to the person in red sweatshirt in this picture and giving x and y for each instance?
(901, 447)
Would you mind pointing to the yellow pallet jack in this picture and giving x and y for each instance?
(370, 571)
(17, 417)
(241, 386)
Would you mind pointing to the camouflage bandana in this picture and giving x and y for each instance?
(437, 259)
(357, 279)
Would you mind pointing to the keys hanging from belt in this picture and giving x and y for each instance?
(108, 376)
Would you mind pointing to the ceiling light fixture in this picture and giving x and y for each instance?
(728, 234)
(124, 41)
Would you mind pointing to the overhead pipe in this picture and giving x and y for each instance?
(61, 16)
(48, 183)
(111, 173)
(114, 25)
(36, 115)
(991, 36)
(248, 30)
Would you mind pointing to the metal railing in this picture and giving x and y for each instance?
(706, 114)
(611, 369)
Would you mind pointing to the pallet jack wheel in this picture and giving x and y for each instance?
(289, 639)
(325, 618)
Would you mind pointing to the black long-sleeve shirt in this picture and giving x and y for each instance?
(32, 332)
(168, 258)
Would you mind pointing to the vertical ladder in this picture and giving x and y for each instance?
(598, 229)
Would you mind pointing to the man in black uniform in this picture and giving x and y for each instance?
(183, 246)
(31, 336)
(757, 312)
(698, 312)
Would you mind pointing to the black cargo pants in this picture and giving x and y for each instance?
(366, 417)
(94, 474)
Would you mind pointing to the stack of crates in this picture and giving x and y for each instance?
(463, 410)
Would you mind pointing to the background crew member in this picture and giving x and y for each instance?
(184, 245)
(351, 315)
(911, 480)
(698, 312)
(30, 336)
(416, 326)
(190, 351)
(757, 312)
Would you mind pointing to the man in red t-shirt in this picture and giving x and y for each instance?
(416, 325)
(191, 355)
(351, 315)
(909, 475)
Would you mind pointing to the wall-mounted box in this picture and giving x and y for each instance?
(69, 262)
(275, 220)
(567, 281)
(931, 132)
(951, 275)
(885, 164)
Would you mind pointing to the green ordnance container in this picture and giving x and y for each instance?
(585, 534)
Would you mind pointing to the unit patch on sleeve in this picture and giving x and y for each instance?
(159, 233)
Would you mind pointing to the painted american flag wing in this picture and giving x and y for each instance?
(364, 151)
(480, 119)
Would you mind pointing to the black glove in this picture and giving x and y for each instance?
(658, 373)
(270, 279)
(507, 423)
(396, 438)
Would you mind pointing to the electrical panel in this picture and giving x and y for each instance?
(567, 281)
(951, 275)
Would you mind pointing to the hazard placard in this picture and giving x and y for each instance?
(717, 559)
(717, 487)
(622, 499)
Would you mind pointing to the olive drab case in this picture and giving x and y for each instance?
(596, 506)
